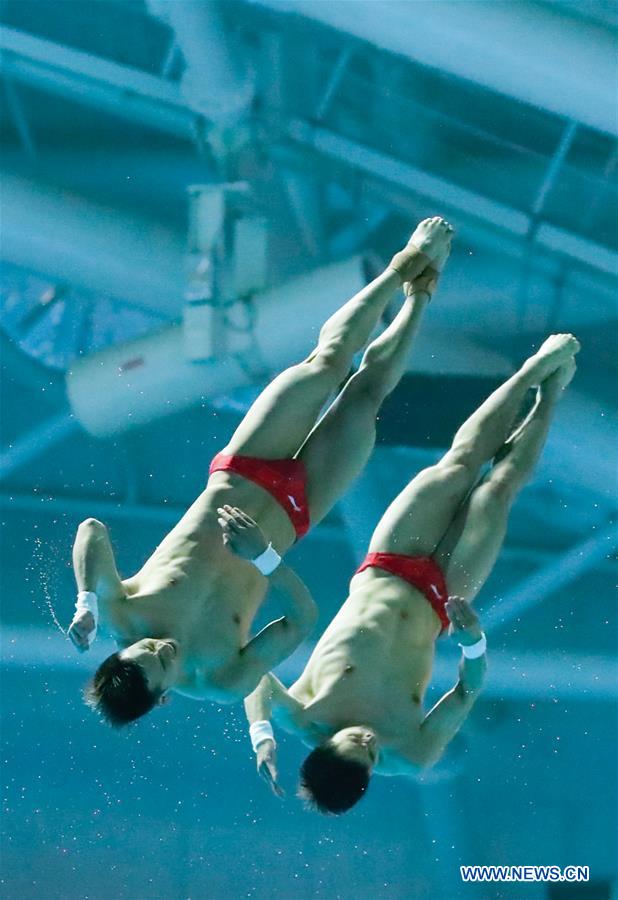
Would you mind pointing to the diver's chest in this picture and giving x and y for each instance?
(372, 680)
(219, 619)
(351, 678)
(366, 645)
(226, 588)
(210, 645)
(351, 702)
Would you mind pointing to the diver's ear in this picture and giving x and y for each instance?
(164, 699)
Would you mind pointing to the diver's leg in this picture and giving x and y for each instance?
(469, 550)
(339, 446)
(481, 436)
(285, 412)
(418, 519)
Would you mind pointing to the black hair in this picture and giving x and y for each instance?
(330, 783)
(119, 691)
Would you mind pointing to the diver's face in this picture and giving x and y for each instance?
(357, 743)
(158, 659)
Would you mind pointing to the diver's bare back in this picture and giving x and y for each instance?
(373, 663)
(195, 590)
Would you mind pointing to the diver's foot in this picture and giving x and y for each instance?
(553, 352)
(429, 240)
(443, 254)
(427, 281)
(431, 236)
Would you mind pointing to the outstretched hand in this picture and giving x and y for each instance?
(465, 627)
(241, 534)
(267, 766)
(81, 627)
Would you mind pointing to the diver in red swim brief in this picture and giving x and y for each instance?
(284, 479)
(360, 697)
(184, 621)
(422, 572)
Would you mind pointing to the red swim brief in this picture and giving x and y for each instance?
(284, 479)
(422, 572)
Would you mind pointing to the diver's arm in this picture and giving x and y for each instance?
(277, 640)
(259, 707)
(244, 537)
(443, 722)
(299, 607)
(95, 572)
(93, 561)
(271, 694)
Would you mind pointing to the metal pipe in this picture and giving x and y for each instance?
(90, 246)
(215, 82)
(333, 82)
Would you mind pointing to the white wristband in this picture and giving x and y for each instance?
(473, 651)
(259, 732)
(267, 561)
(87, 601)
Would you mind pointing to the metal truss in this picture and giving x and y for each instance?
(159, 103)
(93, 81)
(378, 165)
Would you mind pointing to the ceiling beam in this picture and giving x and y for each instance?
(449, 195)
(36, 443)
(90, 80)
(481, 43)
(140, 96)
(544, 675)
(512, 674)
(121, 510)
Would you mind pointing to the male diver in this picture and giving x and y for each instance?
(183, 621)
(359, 700)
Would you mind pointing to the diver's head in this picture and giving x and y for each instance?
(336, 774)
(132, 682)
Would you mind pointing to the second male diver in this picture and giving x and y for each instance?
(359, 700)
